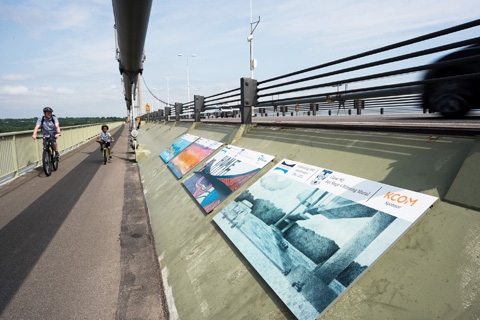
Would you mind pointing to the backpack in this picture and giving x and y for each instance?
(43, 120)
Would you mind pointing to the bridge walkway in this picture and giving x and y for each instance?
(77, 244)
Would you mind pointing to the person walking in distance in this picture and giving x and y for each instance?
(50, 128)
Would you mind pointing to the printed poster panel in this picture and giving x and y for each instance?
(177, 147)
(312, 232)
(192, 155)
(227, 171)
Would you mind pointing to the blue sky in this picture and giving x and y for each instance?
(62, 53)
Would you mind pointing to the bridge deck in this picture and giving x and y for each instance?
(67, 241)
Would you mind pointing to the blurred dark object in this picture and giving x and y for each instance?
(453, 98)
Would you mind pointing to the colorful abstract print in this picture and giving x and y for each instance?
(177, 147)
(210, 190)
(190, 157)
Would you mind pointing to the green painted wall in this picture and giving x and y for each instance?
(433, 272)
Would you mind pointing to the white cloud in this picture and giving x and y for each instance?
(14, 90)
(45, 89)
(71, 15)
(274, 182)
(17, 77)
(23, 14)
(53, 15)
(65, 91)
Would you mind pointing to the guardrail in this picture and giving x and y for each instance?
(376, 80)
(19, 153)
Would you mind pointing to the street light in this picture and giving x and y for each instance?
(253, 62)
(188, 75)
(158, 96)
(168, 90)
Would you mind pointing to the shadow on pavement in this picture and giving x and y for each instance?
(25, 238)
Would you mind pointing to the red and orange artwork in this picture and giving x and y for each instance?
(189, 158)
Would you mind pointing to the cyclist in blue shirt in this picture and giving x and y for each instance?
(50, 128)
(107, 137)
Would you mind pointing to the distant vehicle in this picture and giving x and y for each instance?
(452, 98)
(226, 111)
(223, 111)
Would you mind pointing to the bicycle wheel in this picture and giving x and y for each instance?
(105, 155)
(47, 163)
(54, 161)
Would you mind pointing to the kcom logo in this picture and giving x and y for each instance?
(397, 197)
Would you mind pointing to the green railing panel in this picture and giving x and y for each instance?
(18, 151)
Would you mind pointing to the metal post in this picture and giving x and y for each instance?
(37, 153)
(188, 74)
(250, 40)
(199, 106)
(14, 155)
(178, 110)
(359, 105)
(248, 92)
(167, 113)
(188, 83)
(168, 90)
(139, 97)
(132, 108)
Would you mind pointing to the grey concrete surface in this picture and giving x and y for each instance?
(61, 256)
(469, 175)
(433, 272)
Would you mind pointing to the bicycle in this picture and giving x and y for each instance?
(104, 152)
(50, 162)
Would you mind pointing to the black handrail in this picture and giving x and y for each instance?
(432, 35)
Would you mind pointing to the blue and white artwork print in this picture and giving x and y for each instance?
(312, 232)
(177, 147)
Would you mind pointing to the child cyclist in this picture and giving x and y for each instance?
(107, 137)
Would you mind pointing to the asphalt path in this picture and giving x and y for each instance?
(77, 244)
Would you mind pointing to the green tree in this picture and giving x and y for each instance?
(266, 211)
(13, 125)
(246, 196)
(316, 247)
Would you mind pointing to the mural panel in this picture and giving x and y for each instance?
(312, 232)
(177, 147)
(223, 174)
(192, 155)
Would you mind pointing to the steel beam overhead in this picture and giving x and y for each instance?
(131, 23)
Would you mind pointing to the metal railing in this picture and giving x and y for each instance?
(363, 77)
(19, 153)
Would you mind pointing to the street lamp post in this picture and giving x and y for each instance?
(157, 97)
(168, 90)
(188, 75)
(250, 39)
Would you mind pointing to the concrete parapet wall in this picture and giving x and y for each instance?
(433, 272)
(466, 186)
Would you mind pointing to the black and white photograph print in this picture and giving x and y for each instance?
(309, 245)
